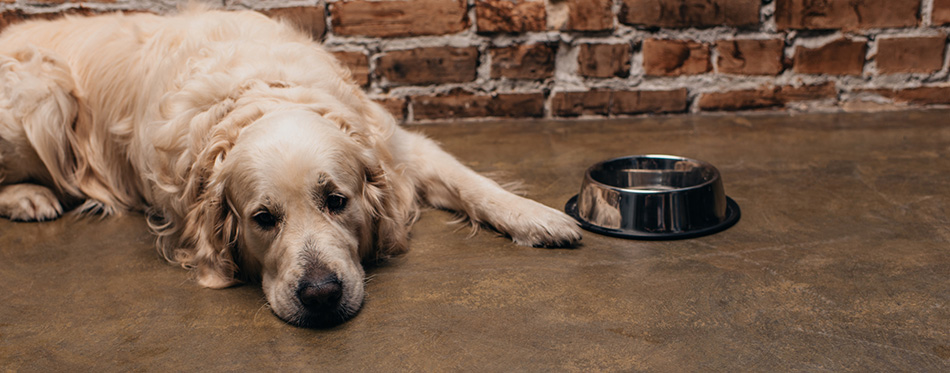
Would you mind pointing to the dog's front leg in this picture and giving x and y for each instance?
(37, 110)
(444, 182)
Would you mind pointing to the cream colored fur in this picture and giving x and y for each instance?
(215, 122)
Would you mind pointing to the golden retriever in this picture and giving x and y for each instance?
(250, 148)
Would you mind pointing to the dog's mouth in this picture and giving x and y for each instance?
(322, 319)
(319, 305)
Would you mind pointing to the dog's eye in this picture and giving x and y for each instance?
(336, 203)
(265, 219)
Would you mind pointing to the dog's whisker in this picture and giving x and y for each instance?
(265, 306)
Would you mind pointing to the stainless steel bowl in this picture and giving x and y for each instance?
(654, 197)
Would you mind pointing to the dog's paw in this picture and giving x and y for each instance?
(29, 202)
(537, 225)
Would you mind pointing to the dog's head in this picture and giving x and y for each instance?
(299, 202)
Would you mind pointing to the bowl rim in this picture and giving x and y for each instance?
(590, 179)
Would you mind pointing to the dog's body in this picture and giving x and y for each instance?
(248, 144)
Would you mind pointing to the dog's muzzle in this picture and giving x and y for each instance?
(320, 292)
(320, 295)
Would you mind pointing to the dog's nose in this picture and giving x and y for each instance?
(320, 292)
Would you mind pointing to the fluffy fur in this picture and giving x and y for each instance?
(247, 144)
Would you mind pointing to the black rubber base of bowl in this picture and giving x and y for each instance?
(732, 216)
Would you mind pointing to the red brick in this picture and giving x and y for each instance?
(396, 106)
(765, 97)
(738, 100)
(64, 1)
(637, 102)
(840, 57)
(509, 16)
(789, 93)
(357, 63)
(941, 12)
(13, 16)
(572, 104)
(918, 96)
(310, 19)
(529, 61)
(846, 15)
(603, 102)
(10, 17)
(80, 2)
(604, 60)
(589, 15)
(751, 57)
(910, 55)
(675, 57)
(429, 65)
(398, 18)
(690, 13)
(466, 105)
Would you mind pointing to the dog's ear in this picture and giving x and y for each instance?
(212, 229)
(392, 214)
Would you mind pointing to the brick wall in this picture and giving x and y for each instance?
(447, 59)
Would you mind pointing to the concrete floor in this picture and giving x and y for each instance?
(841, 262)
